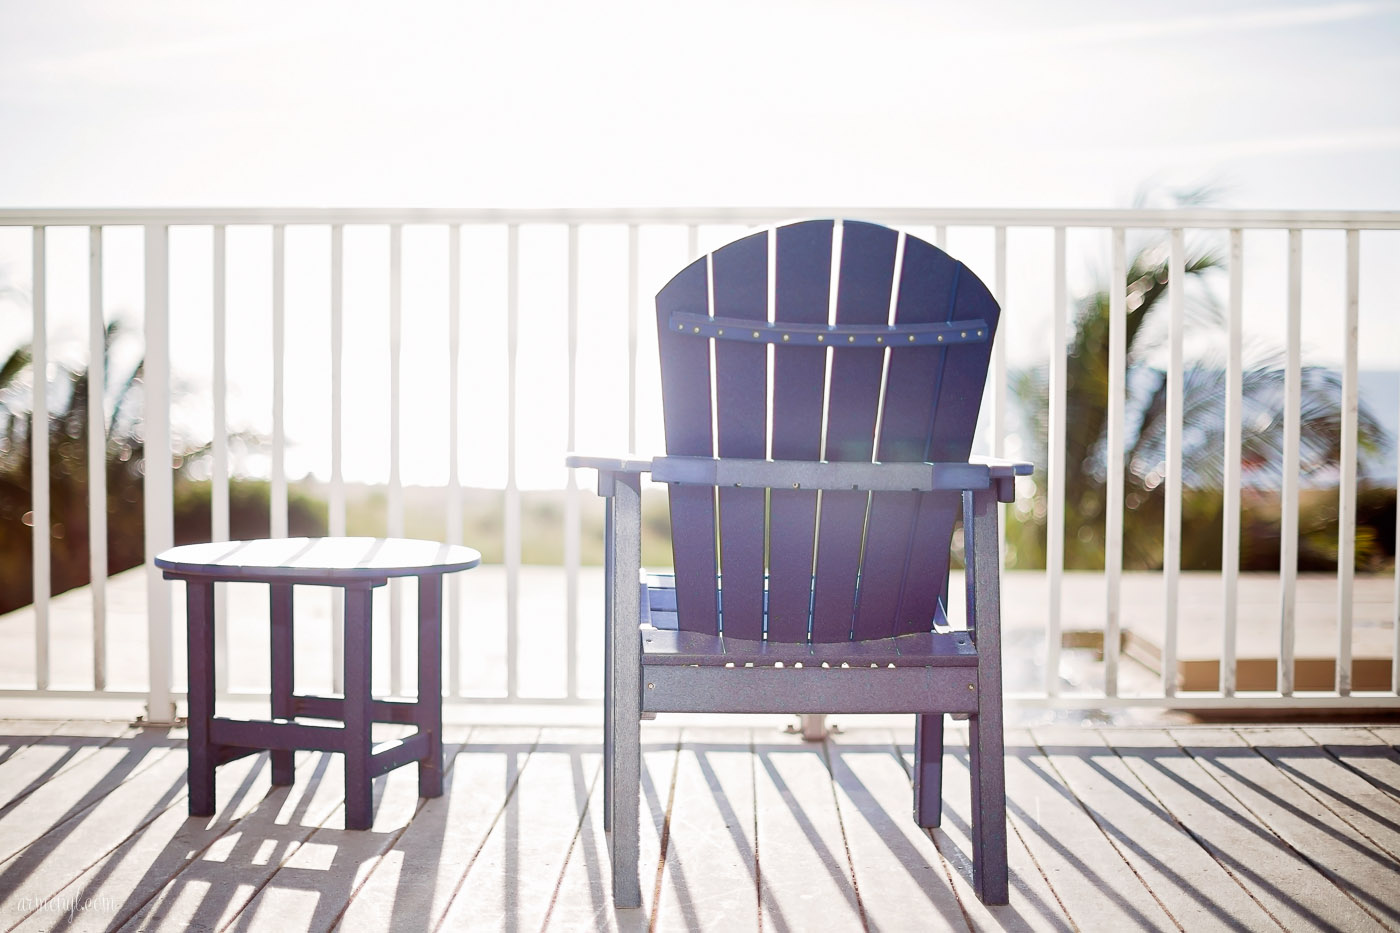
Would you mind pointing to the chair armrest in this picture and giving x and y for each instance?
(1003, 469)
(609, 468)
(807, 474)
(627, 463)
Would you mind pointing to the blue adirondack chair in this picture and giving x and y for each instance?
(831, 550)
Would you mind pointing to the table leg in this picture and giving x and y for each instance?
(428, 709)
(281, 652)
(357, 713)
(199, 596)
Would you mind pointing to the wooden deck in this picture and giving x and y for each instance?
(1191, 828)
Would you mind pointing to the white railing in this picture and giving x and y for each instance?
(994, 267)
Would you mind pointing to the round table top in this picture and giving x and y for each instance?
(316, 559)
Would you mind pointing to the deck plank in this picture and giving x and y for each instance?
(1189, 884)
(583, 899)
(709, 879)
(899, 871)
(1353, 799)
(37, 752)
(54, 859)
(1355, 866)
(511, 882)
(65, 796)
(1364, 752)
(211, 891)
(1032, 906)
(119, 883)
(1098, 889)
(1390, 735)
(1250, 827)
(1287, 887)
(413, 888)
(804, 872)
(314, 885)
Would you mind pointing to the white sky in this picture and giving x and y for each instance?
(1280, 105)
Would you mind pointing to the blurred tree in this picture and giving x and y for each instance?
(1203, 417)
(125, 469)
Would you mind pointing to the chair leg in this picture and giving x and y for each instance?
(608, 667)
(281, 652)
(928, 769)
(989, 871)
(985, 746)
(625, 762)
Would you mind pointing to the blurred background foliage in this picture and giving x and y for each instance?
(542, 513)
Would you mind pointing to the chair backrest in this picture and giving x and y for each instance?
(882, 357)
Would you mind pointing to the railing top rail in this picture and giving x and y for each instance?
(1198, 218)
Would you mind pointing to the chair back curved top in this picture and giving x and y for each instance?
(867, 344)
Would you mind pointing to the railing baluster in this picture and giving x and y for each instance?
(1234, 400)
(395, 516)
(512, 497)
(39, 460)
(999, 378)
(97, 458)
(1288, 507)
(159, 486)
(571, 490)
(454, 481)
(1346, 509)
(219, 480)
(335, 518)
(277, 498)
(1113, 524)
(634, 287)
(1055, 505)
(1171, 533)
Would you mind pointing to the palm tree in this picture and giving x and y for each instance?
(1203, 396)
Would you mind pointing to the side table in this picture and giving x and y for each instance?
(356, 565)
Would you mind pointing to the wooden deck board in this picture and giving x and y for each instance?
(414, 887)
(710, 875)
(1098, 888)
(1357, 868)
(804, 871)
(1033, 905)
(898, 869)
(1190, 886)
(125, 878)
(1286, 886)
(1243, 827)
(512, 881)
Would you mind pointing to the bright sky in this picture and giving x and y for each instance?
(895, 102)
(1073, 104)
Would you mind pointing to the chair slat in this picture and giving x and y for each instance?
(685, 375)
(739, 274)
(926, 649)
(957, 400)
(927, 278)
(802, 290)
(863, 297)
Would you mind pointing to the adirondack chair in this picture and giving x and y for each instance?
(821, 588)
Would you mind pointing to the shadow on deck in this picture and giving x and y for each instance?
(1111, 828)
